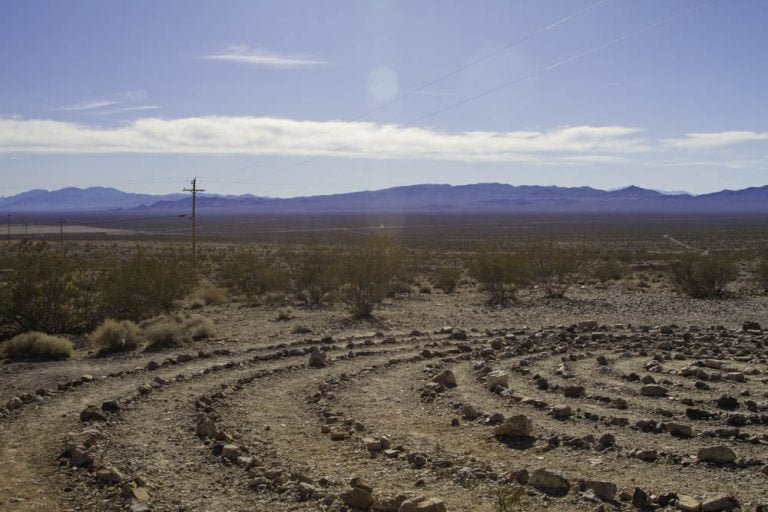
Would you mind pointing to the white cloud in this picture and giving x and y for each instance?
(89, 105)
(287, 137)
(248, 55)
(714, 139)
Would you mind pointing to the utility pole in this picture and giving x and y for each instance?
(9, 226)
(194, 191)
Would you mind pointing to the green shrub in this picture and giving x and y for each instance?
(141, 287)
(704, 275)
(761, 273)
(113, 336)
(499, 272)
(553, 268)
(37, 346)
(47, 292)
(367, 272)
(251, 275)
(611, 269)
(314, 273)
(446, 279)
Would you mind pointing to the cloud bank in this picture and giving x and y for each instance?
(568, 145)
(287, 137)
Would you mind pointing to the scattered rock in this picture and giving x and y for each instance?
(545, 479)
(717, 454)
(514, 426)
(653, 390)
(446, 378)
(92, 413)
(422, 504)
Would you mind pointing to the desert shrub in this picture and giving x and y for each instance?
(113, 336)
(761, 272)
(251, 275)
(171, 331)
(367, 272)
(47, 291)
(553, 268)
(37, 346)
(314, 273)
(210, 295)
(499, 272)
(446, 278)
(509, 500)
(198, 327)
(610, 269)
(285, 314)
(141, 286)
(703, 275)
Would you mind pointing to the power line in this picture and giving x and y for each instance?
(448, 74)
(510, 83)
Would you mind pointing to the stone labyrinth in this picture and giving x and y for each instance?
(580, 417)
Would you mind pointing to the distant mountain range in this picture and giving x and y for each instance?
(477, 198)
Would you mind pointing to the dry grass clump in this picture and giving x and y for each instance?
(209, 295)
(172, 331)
(37, 346)
(113, 336)
(285, 314)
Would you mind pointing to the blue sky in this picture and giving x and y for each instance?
(268, 97)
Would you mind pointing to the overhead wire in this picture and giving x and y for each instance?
(510, 83)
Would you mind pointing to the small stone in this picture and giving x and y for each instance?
(110, 406)
(110, 475)
(206, 428)
(573, 391)
(92, 413)
(687, 503)
(679, 430)
(317, 358)
(717, 454)
(561, 412)
(422, 504)
(446, 378)
(514, 426)
(606, 491)
(230, 451)
(357, 498)
(545, 479)
(653, 390)
(719, 503)
(498, 378)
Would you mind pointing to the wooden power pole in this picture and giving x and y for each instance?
(194, 191)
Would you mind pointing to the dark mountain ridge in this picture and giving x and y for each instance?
(475, 198)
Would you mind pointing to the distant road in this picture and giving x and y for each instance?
(678, 242)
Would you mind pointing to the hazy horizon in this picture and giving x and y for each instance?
(301, 98)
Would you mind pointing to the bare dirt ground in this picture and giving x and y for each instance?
(289, 436)
(633, 396)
